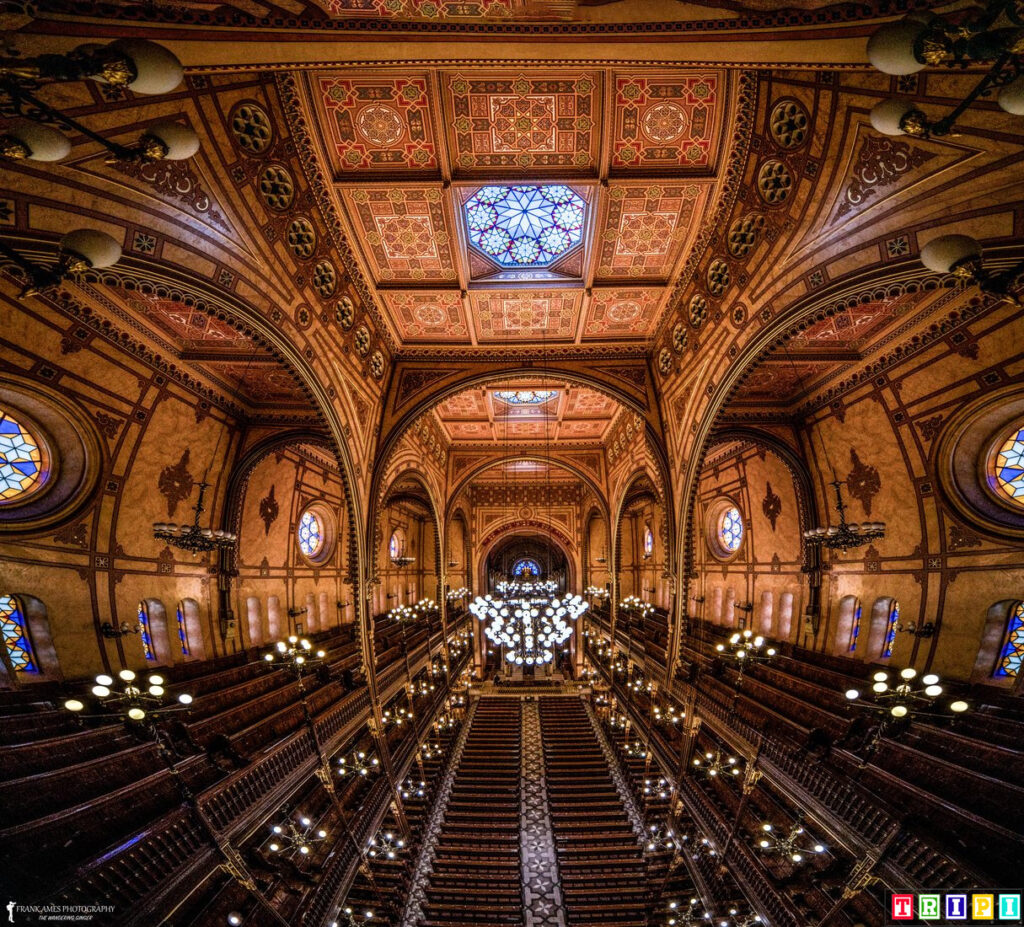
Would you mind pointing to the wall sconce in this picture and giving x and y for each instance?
(960, 255)
(109, 631)
(925, 630)
(924, 38)
(295, 612)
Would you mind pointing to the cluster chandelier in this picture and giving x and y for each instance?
(291, 838)
(357, 763)
(844, 536)
(128, 698)
(793, 845)
(634, 604)
(906, 698)
(192, 538)
(713, 764)
(528, 620)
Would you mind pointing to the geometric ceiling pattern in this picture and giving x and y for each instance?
(238, 366)
(406, 149)
(573, 414)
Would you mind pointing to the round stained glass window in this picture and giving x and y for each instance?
(730, 529)
(526, 567)
(22, 468)
(311, 535)
(525, 226)
(1008, 467)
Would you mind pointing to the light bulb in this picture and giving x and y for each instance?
(185, 698)
(958, 706)
(101, 691)
(104, 680)
(126, 675)
(899, 711)
(73, 704)
(908, 673)
(136, 714)
(852, 694)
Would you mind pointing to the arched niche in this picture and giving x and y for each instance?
(412, 570)
(642, 543)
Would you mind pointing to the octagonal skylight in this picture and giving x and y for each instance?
(525, 225)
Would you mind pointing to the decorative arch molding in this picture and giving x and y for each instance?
(807, 503)
(525, 528)
(417, 388)
(573, 468)
(903, 277)
(142, 275)
(632, 494)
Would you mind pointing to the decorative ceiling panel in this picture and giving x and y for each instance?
(377, 123)
(264, 384)
(573, 413)
(667, 122)
(646, 226)
(404, 230)
(852, 328)
(428, 315)
(622, 313)
(189, 327)
(779, 382)
(537, 315)
(542, 121)
(589, 403)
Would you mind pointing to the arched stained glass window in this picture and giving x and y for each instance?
(182, 629)
(311, 534)
(146, 632)
(1008, 467)
(525, 397)
(1011, 656)
(526, 566)
(855, 629)
(21, 459)
(730, 529)
(396, 546)
(890, 629)
(648, 541)
(16, 638)
(525, 226)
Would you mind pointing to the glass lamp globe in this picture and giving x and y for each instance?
(942, 254)
(1011, 97)
(893, 48)
(44, 143)
(97, 248)
(157, 69)
(886, 116)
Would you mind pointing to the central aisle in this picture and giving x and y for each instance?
(534, 831)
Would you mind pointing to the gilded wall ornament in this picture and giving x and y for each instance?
(269, 510)
(771, 505)
(176, 482)
(863, 481)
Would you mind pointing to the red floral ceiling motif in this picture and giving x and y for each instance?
(428, 315)
(646, 226)
(667, 122)
(541, 122)
(378, 123)
(622, 313)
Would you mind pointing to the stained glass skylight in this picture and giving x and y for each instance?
(1009, 467)
(21, 459)
(524, 397)
(525, 226)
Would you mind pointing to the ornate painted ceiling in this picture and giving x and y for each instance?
(640, 149)
(572, 414)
